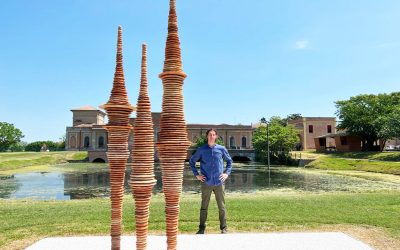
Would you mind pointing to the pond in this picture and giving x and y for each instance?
(65, 182)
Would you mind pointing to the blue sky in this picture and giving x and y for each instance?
(244, 59)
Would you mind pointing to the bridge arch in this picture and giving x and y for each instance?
(99, 160)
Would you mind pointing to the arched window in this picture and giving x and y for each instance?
(232, 142)
(72, 142)
(86, 142)
(244, 142)
(101, 142)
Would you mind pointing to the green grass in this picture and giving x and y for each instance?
(27, 221)
(334, 163)
(375, 156)
(13, 161)
(378, 156)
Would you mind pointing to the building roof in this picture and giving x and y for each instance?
(312, 119)
(333, 135)
(217, 126)
(87, 108)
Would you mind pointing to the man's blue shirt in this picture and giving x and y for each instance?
(211, 163)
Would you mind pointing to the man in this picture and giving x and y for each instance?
(212, 177)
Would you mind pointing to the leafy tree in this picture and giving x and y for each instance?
(9, 135)
(283, 121)
(51, 146)
(291, 117)
(371, 117)
(263, 120)
(202, 139)
(18, 147)
(282, 139)
(62, 141)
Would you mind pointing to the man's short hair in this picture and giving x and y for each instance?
(211, 129)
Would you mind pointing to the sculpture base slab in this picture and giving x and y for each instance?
(232, 241)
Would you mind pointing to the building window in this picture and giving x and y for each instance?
(101, 142)
(232, 142)
(322, 142)
(86, 142)
(329, 128)
(343, 140)
(72, 142)
(244, 142)
(310, 129)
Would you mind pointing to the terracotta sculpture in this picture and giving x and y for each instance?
(142, 177)
(173, 142)
(118, 110)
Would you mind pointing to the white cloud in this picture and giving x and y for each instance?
(302, 44)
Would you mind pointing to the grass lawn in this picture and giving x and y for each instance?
(24, 222)
(377, 156)
(19, 160)
(378, 162)
(334, 163)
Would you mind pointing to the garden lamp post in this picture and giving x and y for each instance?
(268, 162)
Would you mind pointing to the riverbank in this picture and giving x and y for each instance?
(372, 217)
(14, 161)
(377, 162)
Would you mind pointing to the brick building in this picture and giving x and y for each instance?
(313, 127)
(88, 134)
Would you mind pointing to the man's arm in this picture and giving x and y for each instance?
(192, 163)
(193, 160)
(228, 160)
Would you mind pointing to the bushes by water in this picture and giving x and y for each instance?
(45, 145)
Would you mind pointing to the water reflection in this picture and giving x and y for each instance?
(37, 186)
(248, 178)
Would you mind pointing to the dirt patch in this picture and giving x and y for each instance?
(20, 244)
(374, 237)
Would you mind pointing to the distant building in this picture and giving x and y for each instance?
(343, 142)
(313, 127)
(88, 134)
(87, 131)
(233, 136)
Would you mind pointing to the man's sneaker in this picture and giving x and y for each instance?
(224, 230)
(201, 231)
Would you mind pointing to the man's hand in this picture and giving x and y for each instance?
(201, 177)
(223, 177)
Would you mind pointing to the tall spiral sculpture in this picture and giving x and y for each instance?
(173, 143)
(118, 110)
(142, 176)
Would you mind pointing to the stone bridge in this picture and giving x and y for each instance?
(242, 154)
(236, 154)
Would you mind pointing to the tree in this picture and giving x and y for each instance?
(50, 145)
(371, 117)
(9, 135)
(202, 139)
(18, 147)
(282, 139)
(291, 117)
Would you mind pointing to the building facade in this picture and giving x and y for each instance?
(87, 131)
(88, 134)
(313, 127)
